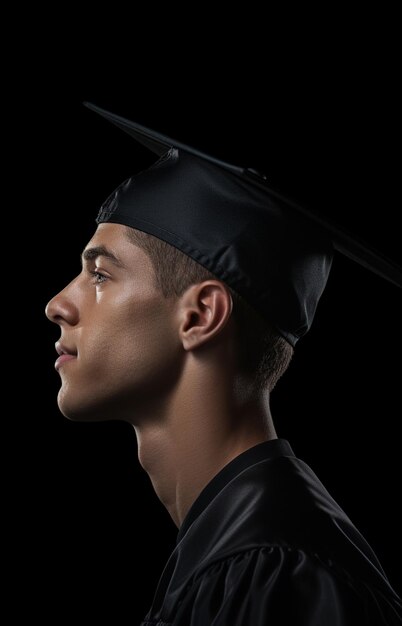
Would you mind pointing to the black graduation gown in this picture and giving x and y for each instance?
(265, 545)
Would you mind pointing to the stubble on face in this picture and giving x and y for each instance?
(123, 330)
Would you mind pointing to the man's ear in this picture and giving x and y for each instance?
(204, 310)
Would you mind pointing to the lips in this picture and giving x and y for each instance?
(65, 354)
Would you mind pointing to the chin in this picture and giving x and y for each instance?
(113, 404)
(80, 410)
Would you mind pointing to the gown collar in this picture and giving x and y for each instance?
(261, 452)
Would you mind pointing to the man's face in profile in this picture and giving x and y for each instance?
(118, 328)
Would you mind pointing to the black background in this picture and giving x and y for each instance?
(94, 537)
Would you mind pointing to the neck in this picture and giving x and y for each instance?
(183, 448)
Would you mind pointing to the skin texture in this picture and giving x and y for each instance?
(166, 365)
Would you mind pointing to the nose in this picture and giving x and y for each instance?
(61, 309)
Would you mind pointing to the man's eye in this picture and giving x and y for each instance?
(98, 278)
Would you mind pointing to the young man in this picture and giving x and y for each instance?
(195, 288)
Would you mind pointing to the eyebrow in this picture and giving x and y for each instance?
(93, 253)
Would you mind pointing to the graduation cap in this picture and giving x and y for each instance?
(272, 251)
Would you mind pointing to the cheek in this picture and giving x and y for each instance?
(147, 343)
(130, 342)
(128, 356)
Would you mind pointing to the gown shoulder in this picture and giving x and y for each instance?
(277, 586)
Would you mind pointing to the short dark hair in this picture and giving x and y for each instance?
(264, 355)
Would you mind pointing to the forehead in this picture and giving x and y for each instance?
(114, 239)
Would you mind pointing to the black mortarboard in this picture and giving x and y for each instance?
(276, 254)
